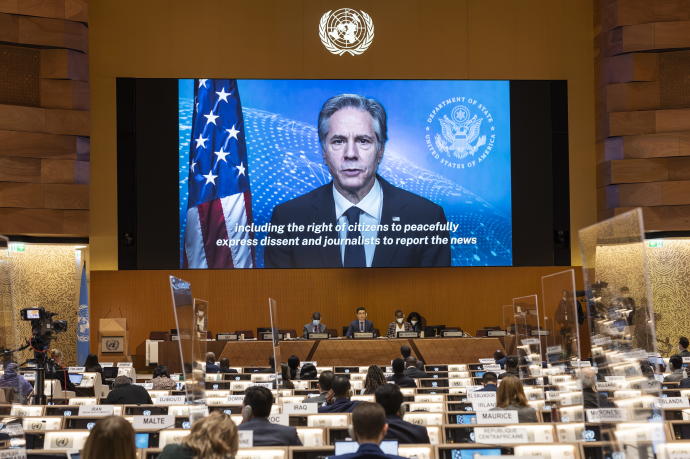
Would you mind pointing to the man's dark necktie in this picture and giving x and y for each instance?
(354, 254)
(361, 326)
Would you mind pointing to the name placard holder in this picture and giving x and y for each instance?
(452, 334)
(227, 337)
(363, 335)
(497, 417)
(319, 336)
(494, 333)
(153, 422)
(408, 334)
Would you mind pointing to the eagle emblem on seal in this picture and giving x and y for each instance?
(460, 133)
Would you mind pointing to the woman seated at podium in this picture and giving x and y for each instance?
(511, 396)
(161, 379)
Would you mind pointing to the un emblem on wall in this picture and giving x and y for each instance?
(460, 132)
(346, 31)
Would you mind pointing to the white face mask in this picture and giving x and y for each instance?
(316, 321)
(413, 322)
(399, 320)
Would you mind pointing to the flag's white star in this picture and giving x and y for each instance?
(201, 141)
(233, 132)
(211, 118)
(222, 95)
(210, 178)
(241, 169)
(221, 155)
(202, 82)
(193, 166)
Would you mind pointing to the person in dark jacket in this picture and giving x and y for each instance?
(489, 381)
(399, 377)
(338, 399)
(369, 428)
(390, 398)
(412, 369)
(590, 397)
(256, 407)
(675, 364)
(211, 366)
(511, 367)
(683, 344)
(126, 393)
(224, 366)
(91, 364)
(325, 384)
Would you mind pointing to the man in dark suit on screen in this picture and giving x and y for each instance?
(359, 219)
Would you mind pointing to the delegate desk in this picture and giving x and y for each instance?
(342, 352)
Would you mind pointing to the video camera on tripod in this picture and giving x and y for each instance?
(43, 330)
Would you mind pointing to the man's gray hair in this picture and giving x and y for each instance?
(589, 378)
(122, 380)
(372, 106)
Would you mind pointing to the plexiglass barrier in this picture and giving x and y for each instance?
(12, 439)
(188, 342)
(508, 319)
(528, 335)
(277, 358)
(199, 337)
(623, 343)
(562, 324)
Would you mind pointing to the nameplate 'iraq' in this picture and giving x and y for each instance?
(301, 408)
(153, 422)
(497, 417)
(493, 435)
(96, 410)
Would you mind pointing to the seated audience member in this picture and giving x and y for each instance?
(161, 379)
(315, 326)
(338, 399)
(511, 396)
(391, 399)
(416, 321)
(293, 364)
(16, 388)
(214, 436)
(55, 370)
(56, 357)
(308, 371)
(675, 364)
(374, 379)
(500, 358)
(511, 367)
(412, 369)
(271, 366)
(91, 364)
(224, 366)
(489, 381)
(683, 347)
(285, 383)
(325, 384)
(111, 438)
(399, 377)
(590, 397)
(405, 351)
(256, 408)
(398, 324)
(369, 428)
(360, 324)
(126, 393)
(211, 366)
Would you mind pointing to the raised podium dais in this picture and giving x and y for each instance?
(113, 340)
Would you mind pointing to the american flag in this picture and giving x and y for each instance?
(219, 196)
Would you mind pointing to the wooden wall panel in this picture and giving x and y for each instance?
(467, 297)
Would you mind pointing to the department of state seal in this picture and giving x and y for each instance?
(460, 132)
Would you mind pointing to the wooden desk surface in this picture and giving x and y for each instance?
(343, 352)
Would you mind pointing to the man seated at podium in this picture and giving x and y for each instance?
(369, 428)
(256, 407)
(338, 399)
(211, 366)
(360, 324)
(325, 385)
(391, 399)
(315, 326)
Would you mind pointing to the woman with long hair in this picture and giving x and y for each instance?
(212, 437)
(111, 438)
(511, 396)
(374, 379)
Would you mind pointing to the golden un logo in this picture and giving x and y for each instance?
(346, 31)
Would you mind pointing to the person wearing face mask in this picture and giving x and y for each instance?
(416, 321)
(399, 324)
(315, 326)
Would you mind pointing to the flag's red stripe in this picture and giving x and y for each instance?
(213, 228)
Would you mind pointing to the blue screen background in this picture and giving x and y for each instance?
(285, 159)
